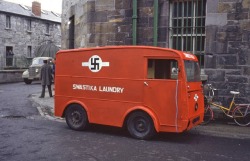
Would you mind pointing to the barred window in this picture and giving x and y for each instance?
(187, 26)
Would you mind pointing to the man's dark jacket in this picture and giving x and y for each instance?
(46, 74)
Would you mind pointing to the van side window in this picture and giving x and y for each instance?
(162, 69)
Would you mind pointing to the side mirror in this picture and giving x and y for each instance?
(175, 70)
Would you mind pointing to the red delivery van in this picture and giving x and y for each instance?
(146, 89)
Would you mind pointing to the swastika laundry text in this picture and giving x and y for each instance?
(98, 88)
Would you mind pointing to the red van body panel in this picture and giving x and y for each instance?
(111, 82)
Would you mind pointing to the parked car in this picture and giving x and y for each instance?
(33, 73)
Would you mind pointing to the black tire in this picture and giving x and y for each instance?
(208, 115)
(27, 81)
(140, 125)
(76, 117)
(241, 115)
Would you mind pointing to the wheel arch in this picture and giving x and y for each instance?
(145, 110)
(76, 102)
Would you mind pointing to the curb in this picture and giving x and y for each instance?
(44, 110)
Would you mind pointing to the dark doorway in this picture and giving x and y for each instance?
(72, 32)
(9, 56)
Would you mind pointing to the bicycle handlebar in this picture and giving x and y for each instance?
(210, 89)
(209, 92)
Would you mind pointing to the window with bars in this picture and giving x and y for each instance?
(187, 27)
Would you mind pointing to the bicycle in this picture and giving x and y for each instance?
(239, 112)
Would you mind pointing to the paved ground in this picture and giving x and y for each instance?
(219, 127)
(44, 105)
(26, 135)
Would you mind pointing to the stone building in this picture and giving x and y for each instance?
(23, 29)
(216, 31)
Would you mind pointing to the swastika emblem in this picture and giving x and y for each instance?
(95, 63)
(196, 97)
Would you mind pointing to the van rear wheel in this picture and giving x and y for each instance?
(76, 117)
(140, 125)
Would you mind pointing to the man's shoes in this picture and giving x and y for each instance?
(41, 97)
(52, 96)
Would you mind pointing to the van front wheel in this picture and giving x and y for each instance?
(27, 81)
(76, 117)
(140, 125)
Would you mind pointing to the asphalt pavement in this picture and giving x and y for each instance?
(27, 135)
(219, 127)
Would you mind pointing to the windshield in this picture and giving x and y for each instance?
(37, 61)
(192, 71)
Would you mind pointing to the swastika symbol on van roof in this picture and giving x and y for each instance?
(95, 63)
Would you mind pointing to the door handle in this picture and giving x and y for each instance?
(146, 83)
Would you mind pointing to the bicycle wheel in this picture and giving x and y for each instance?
(208, 115)
(241, 115)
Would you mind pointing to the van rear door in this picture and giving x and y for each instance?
(194, 89)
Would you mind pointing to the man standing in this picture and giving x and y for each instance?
(46, 78)
(54, 68)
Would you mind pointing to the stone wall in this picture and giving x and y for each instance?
(9, 76)
(98, 22)
(228, 47)
(19, 38)
(163, 24)
(109, 22)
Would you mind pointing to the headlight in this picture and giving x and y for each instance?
(36, 70)
(26, 72)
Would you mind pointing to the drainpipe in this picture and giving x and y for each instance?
(134, 25)
(155, 22)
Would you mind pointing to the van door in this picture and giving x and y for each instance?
(161, 90)
(194, 88)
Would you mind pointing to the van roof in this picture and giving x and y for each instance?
(181, 54)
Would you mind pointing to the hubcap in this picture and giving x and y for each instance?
(140, 125)
(76, 117)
